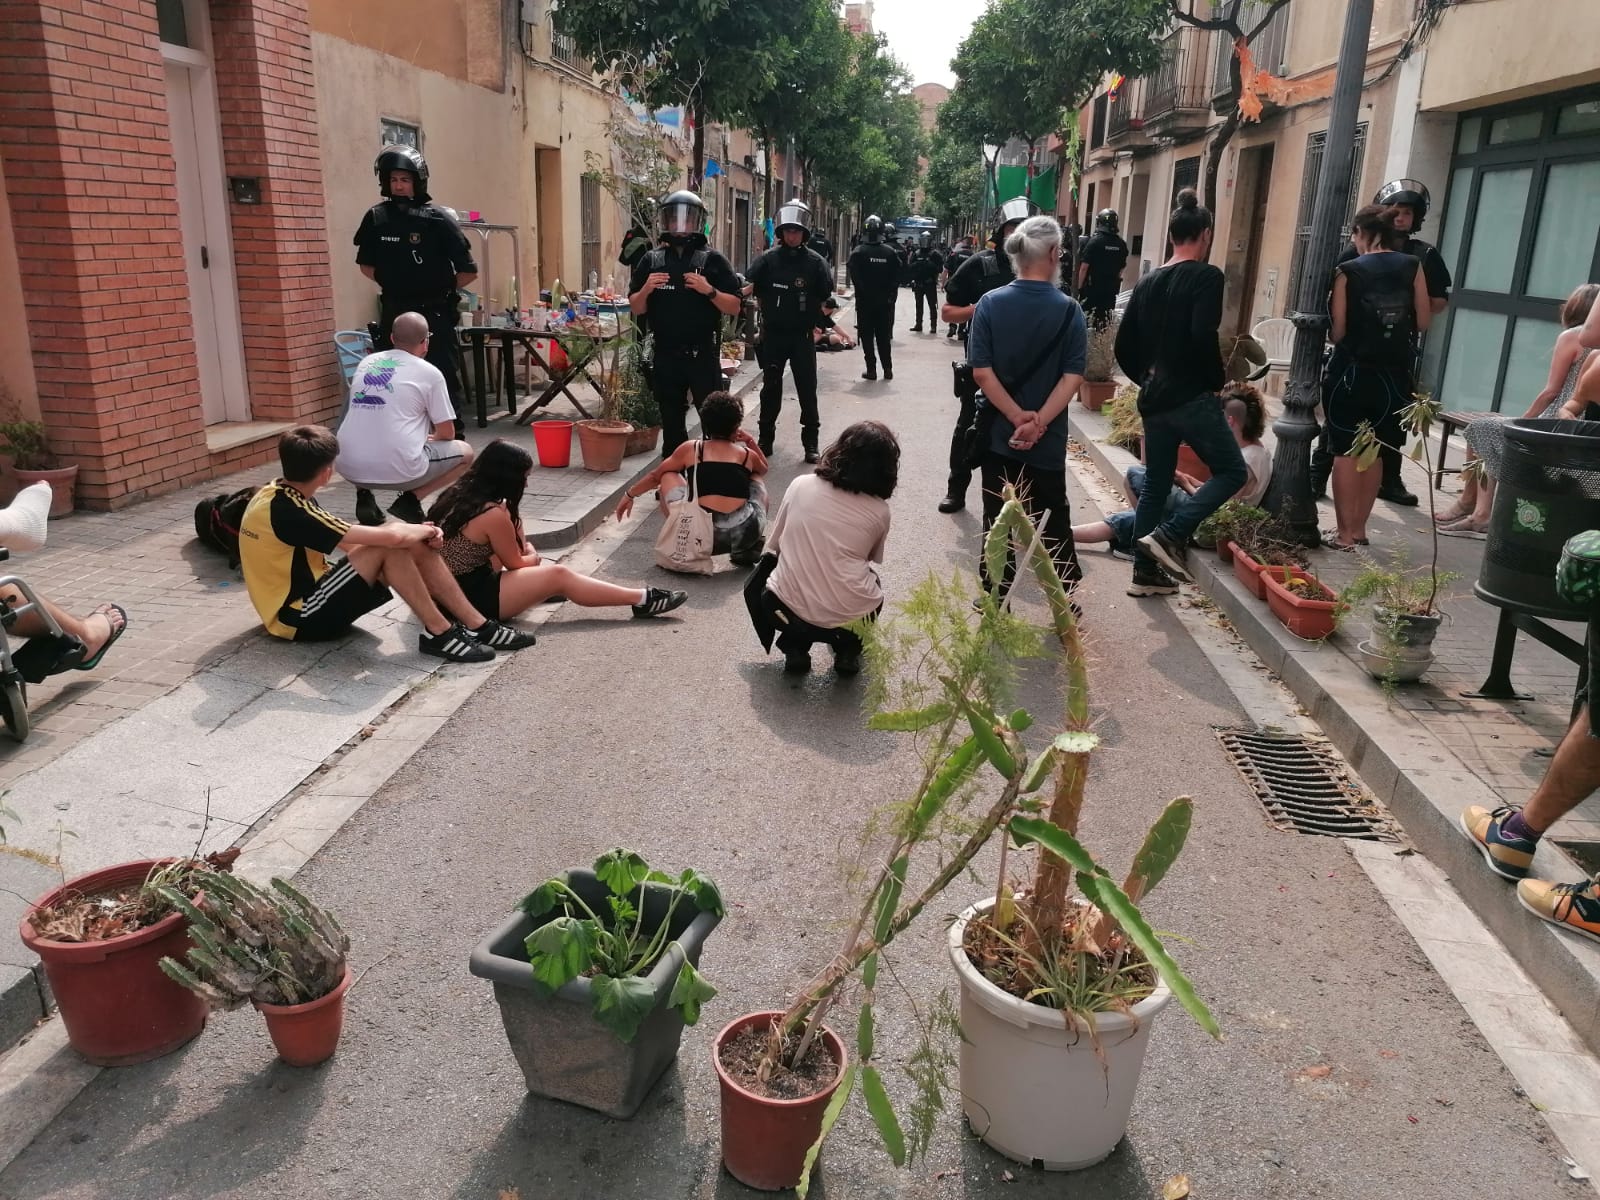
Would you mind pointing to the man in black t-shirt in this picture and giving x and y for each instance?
(415, 252)
(686, 289)
(1100, 268)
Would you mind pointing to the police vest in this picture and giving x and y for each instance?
(414, 253)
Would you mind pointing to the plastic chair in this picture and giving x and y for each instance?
(353, 345)
(1276, 335)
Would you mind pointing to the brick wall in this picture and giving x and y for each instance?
(89, 173)
(267, 96)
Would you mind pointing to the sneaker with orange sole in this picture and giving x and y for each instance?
(1574, 906)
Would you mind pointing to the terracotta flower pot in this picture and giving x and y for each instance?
(1225, 551)
(117, 1005)
(307, 1034)
(764, 1142)
(1190, 463)
(1094, 393)
(1248, 572)
(603, 444)
(642, 441)
(1312, 616)
(63, 483)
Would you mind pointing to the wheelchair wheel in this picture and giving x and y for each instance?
(14, 707)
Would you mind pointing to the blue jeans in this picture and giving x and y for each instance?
(1201, 424)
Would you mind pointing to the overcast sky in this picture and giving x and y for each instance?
(925, 35)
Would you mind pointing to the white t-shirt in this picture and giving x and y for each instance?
(1259, 460)
(827, 541)
(396, 399)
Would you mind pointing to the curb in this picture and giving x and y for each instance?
(1422, 783)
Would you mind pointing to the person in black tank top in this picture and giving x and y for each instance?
(1379, 306)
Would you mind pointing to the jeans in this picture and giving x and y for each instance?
(682, 374)
(1201, 424)
(1039, 490)
(876, 322)
(799, 353)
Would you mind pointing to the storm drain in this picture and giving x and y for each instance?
(1304, 787)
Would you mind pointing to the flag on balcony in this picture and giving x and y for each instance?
(1117, 81)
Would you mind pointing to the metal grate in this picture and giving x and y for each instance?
(1304, 787)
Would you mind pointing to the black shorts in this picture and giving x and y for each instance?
(340, 597)
(1353, 393)
(481, 587)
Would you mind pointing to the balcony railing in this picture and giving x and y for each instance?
(1122, 118)
(1182, 83)
(564, 50)
(1268, 50)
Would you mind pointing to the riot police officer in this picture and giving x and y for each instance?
(685, 288)
(790, 281)
(820, 243)
(874, 271)
(414, 251)
(1100, 267)
(926, 262)
(981, 273)
(959, 253)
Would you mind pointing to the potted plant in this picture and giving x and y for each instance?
(1405, 612)
(101, 938)
(595, 975)
(784, 1076)
(639, 407)
(28, 446)
(1127, 426)
(1101, 365)
(271, 947)
(603, 439)
(1270, 543)
(1229, 524)
(1307, 607)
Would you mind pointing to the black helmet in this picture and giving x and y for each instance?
(402, 158)
(681, 216)
(872, 228)
(1018, 208)
(794, 215)
(1413, 193)
(1108, 220)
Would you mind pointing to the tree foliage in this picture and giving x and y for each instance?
(954, 179)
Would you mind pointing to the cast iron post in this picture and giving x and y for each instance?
(1296, 429)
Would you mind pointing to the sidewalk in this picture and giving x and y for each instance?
(196, 713)
(1431, 750)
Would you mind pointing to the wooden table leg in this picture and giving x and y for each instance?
(480, 384)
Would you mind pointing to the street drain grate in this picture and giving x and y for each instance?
(1303, 787)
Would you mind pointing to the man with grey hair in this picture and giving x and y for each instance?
(399, 429)
(1028, 346)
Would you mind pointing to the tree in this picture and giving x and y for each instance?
(954, 179)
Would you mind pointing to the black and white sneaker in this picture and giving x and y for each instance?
(658, 601)
(501, 637)
(454, 645)
(1172, 557)
(408, 508)
(367, 510)
(1150, 580)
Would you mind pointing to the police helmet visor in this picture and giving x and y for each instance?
(682, 219)
(794, 214)
(1018, 209)
(1410, 192)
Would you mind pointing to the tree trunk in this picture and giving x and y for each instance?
(1219, 143)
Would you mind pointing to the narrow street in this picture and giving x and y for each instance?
(1348, 1071)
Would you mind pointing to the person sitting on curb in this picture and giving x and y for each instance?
(498, 569)
(399, 429)
(729, 471)
(821, 566)
(283, 543)
(1247, 417)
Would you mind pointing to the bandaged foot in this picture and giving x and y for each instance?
(22, 522)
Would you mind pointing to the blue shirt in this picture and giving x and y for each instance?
(1009, 328)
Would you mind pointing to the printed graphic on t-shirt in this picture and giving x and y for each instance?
(378, 377)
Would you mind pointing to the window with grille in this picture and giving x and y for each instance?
(1185, 174)
(400, 133)
(1310, 180)
(590, 202)
(1097, 123)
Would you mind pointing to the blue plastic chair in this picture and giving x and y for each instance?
(353, 345)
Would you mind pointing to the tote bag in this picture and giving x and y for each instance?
(685, 541)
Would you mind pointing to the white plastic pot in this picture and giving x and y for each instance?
(1033, 1087)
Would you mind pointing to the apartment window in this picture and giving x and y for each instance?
(172, 23)
(1310, 181)
(1185, 174)
(399, 133)
(590, 200)
(1097, 123)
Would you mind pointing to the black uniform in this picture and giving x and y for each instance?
(417, 251)
(925, 266)
(688, 359)
(1106, 255)
(1437, 277)
(874, 271)
(980, 274)
(823, 247)
(952, 264)
(791, 283)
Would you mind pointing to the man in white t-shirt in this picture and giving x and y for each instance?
(399, 430)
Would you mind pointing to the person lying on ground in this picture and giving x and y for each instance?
(1246, 414)
(284, 541)
(727, 472)
(834, 336)
(828, 539)
(497, 568)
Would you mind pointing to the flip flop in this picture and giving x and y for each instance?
(106, 610)
(1465, 531)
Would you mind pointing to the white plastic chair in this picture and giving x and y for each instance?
(1276, 335)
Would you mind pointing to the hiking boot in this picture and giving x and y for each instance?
(812, 456)
(502, 637)
(1172, 556)
(888, 374)
(455, 644)
(367, 510)
(765, 446)
(1508, 857)
(1574, 906)
(847, 662)
(658, 601)
(796, 662)
(869, 374)
(952, 504)
(1150, 580)
(408, 508)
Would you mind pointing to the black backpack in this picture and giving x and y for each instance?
(1383, 322)
(217, 521)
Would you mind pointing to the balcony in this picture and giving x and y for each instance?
(1270, 50)
(1178, 96)
(1125, 117)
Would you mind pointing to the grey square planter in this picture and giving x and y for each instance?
(563, 1051)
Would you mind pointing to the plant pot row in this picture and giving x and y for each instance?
(603, 444)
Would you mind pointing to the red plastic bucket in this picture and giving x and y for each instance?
(553, 441)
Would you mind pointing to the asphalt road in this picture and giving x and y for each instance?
(1347, 1072)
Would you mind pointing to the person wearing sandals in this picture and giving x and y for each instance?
(1468, 517)
(491, 558)
(728, 471)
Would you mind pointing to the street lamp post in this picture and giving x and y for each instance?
(1296, 429)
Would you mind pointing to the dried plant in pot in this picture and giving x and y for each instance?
(1127, 426)
(270, 947)
(27, 444)
(1098, 386)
